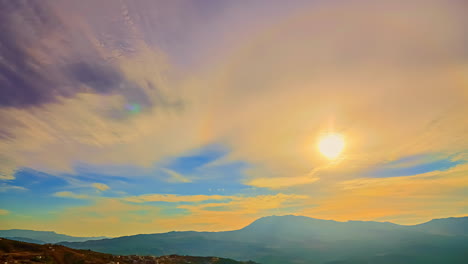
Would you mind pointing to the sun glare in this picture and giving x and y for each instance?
(331, 145)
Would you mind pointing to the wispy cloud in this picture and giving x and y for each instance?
(175, 176)
(173, 198)
(7, 176)
(251, 205)
(281, 182)
(67, 194)
(96, 120)
(100, 186)
(7, 168)
(4, 187)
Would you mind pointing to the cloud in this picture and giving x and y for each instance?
(32, 75)
(173, 198)
(101, 77)
(281, 182)
(28, 76)
(176, 177)
(4, 212)
(7, 175)
(79, 76)
(318, 82)
(67, 194)
(434, 182)
(100, 186)
(4, 187)
(22, 84)
(327, 83)
(406, 200)
(8, 165)
(251, 205)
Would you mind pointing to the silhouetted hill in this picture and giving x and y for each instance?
(12, 251)
(43, 236)
(182, 243)
(301, 228)
(299, 239)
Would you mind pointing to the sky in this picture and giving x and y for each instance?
(128, 117)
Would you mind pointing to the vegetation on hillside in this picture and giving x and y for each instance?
(12, 251)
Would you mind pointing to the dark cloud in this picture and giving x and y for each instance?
(6, 135)
(100, 78)
(20, 79)
(43, 58)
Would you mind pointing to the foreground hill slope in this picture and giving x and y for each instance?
(12, 251)
(299, 239)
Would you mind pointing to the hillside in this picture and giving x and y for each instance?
(12, 251)
(298, 239)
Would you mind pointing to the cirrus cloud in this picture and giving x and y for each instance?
(100, 186)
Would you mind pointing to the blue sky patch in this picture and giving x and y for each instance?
(412, 165)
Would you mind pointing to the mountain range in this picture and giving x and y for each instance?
(299, 239)
(42, 237)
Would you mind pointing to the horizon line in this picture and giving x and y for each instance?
(347, 221)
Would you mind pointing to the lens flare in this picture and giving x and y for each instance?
(133, 108)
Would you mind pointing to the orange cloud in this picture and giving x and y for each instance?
(409, 200)
(281, 182)
(100, 186)
(175, 198)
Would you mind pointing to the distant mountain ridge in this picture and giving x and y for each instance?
(300, 239)
(42, 237)
(28, 240)
(446, 226)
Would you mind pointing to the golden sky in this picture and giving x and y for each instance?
(132, 117)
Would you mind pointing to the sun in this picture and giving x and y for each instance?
(331, 145)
